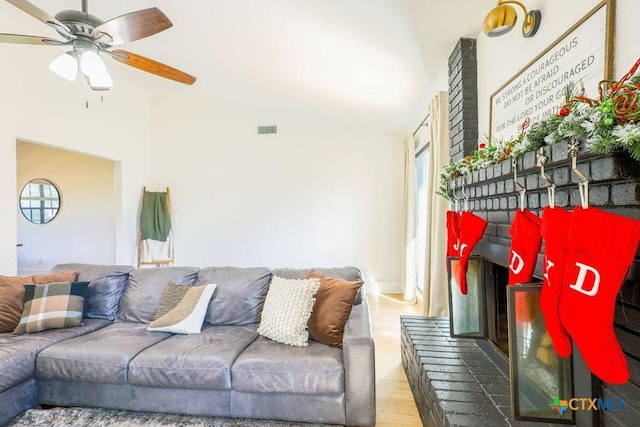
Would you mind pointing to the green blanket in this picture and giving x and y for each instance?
(155, 222)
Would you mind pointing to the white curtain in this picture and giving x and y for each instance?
(436, 300)
(409, 256)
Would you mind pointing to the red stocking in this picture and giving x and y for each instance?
(453, 237)
(601, 249)
(453, 233)
(525, 245)
(471, 230)
(554, 230)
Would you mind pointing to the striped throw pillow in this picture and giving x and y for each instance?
(182, 309)
(52, 306)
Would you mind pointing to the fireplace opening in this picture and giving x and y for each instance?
(516, 332)
(497, 279)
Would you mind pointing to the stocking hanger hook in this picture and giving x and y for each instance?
(456, 203)
(522, 189)
(464, 194)
(583, 185)
(551, 189)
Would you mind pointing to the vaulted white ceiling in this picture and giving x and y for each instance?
(373, 63)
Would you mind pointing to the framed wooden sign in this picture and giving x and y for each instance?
(582, 56)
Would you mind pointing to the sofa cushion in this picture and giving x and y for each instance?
(239, 297)
(287, 309)
(106, 286)
(145, 288)
(182, 309)
(351, 274)
(18, 354)
(12, 295)
(200, 361)
(100, 357)
(269, 367)
(334, 301)
(52, 306)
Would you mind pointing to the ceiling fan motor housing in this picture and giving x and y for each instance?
(80, 23)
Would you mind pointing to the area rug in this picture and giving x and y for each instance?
(93, 417)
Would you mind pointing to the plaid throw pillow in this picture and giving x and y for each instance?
(52, 306)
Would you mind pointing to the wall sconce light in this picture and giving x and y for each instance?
(502, 18)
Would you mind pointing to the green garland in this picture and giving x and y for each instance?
(607, 123)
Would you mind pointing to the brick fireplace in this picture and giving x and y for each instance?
(460, 381)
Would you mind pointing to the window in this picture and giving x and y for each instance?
(39, 201)
(422, 214)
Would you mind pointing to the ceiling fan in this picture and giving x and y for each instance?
(89, 36)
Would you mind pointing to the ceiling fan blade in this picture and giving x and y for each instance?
(39, 14)
(21, 39)
(133, 26)
(151, 66)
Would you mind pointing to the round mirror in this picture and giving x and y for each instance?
(39, 201)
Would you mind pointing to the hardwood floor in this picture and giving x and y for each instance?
(394, 401)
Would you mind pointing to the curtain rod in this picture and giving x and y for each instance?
(422, 123)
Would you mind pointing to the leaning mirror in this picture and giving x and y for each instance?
(39, 201)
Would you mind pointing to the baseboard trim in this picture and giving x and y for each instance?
(387, 287)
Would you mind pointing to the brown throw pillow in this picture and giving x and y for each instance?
(12, 294)
(334, 301)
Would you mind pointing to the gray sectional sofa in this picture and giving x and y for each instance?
(226, 370)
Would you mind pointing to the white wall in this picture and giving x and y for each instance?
(40, 107)
(307, 196)
(500, 58)
(627, 37)
(84, 228)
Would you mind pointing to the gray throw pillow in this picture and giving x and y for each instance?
(146, 287)
(106, 287)
(239, 296)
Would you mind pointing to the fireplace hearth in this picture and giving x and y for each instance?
(454, 381)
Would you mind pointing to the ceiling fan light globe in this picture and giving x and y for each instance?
(66, 66)
(91, 63)
(101, 80)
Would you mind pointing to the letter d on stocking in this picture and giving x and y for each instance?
(582, 275)
(517, 263)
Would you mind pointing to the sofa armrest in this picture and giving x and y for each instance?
(359, 367)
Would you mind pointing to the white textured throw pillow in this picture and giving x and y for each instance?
(187, 315)
(287, 309)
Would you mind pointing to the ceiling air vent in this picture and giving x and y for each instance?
(267, 129)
